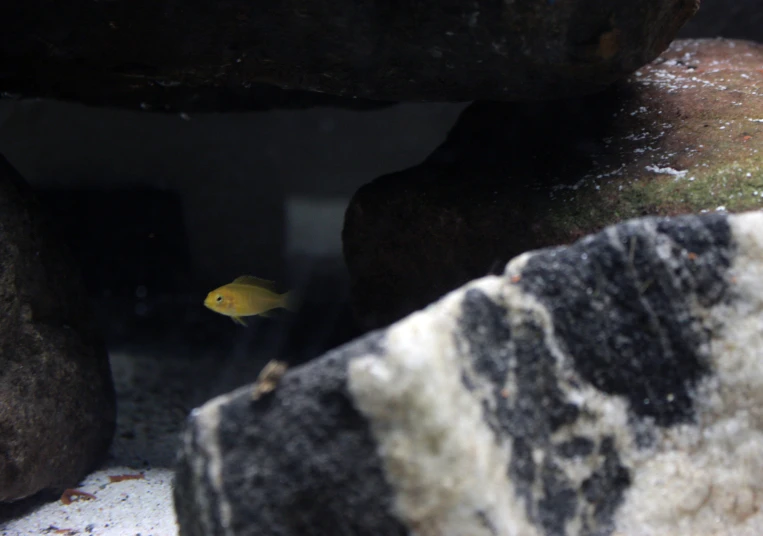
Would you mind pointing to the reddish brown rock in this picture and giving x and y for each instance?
(683, 135)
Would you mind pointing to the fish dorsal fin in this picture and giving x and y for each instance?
(255, 281)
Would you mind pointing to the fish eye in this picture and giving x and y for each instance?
(219, 298)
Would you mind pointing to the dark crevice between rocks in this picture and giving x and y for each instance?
(476, 202)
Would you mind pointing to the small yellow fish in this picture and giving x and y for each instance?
(247, 296)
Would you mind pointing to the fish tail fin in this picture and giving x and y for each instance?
(289, 301)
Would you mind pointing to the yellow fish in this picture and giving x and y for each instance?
(247, 296)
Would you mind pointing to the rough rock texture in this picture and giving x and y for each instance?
(683, 135)
(57, 403)
(446, 50)
(614, 386)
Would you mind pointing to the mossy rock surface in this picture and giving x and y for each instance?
(690, 140)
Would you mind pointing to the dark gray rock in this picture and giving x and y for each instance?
(316, 460)
(613, 386)
(57, 402)
(182, 50)
(679, 136)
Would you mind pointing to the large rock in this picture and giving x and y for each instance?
(57, 401)
(446, 50)
(683, 135)
(614, 386)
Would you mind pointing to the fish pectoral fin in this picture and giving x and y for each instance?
(256, 282)
(238, 320)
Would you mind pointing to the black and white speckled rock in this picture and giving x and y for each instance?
(614, 386)
(278, 466)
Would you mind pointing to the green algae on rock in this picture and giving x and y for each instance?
(684, 134)
(689, 140)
